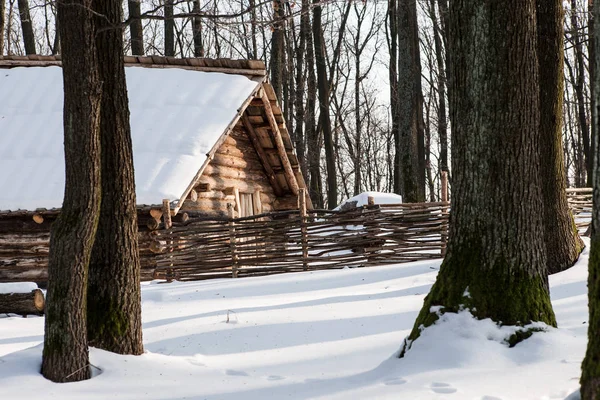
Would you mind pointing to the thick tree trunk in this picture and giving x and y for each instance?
(411, 158)
(323, 88)
(27, 27)
(136, 30)
(592, 72)
(495, 251)
(114, 300)
(169, 29)
(197, 31)
(65, 356)
(22, 303)
(590, 374)
(563, 244)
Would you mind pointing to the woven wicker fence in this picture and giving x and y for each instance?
(580, 202)
(204, 248)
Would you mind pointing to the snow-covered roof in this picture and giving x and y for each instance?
(177, 116)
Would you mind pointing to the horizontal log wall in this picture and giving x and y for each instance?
(234, 165)
(204, 248)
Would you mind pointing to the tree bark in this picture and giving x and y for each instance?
(65, 355)
(299, 113)
(2, 25)
(197, 31)
(441, 88)
(563, 244)
(312, 136)
(136, 30)
(495, 251)
(27, 27)
(114, 321)
(590, 369)
(579, 86)
(169, 29)
(323, 89)
(277, 56)
(411, 160)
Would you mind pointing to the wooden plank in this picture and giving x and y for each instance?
(289, 173)
(262, 156)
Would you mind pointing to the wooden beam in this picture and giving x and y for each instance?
(262, 155)
(288, 171)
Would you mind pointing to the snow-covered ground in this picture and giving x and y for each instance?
(320, 335)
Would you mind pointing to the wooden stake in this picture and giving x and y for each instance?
(303, 229)
(371, 200)
(167, 214)
(234, 258)
(444, 186)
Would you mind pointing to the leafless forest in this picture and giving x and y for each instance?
(362, 83)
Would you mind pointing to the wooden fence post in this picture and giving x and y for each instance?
(371, 200)
(303, 229)
(234, 258)
(166, 214)
(444, 212)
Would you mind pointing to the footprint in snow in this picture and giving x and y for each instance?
(233, 372)
(442, 388)
(395, 381)
(275, 378)
(197, 363)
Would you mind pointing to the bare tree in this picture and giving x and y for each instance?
(65, 355)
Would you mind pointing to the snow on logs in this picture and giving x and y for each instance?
(21, 298)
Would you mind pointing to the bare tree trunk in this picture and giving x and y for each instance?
(56, 45)
(590, 369)
(197, 31)
(323, 88)
(114, 295)
(27, 27)
(441, 88)
(312, 136)
(495, 251)
(135, 28)
(65, 356)
(579, 86)
(563, 244)
(277, 56)
(411, 159)
(392, 15)
(299, 114)
(169, 29)
(2, 25)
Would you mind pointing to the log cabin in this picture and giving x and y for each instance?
(206, 133)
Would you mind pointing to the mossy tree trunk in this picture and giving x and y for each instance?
(114, 303)
(496, 260)
(590, 377)
(65, 355)
(563, 243)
